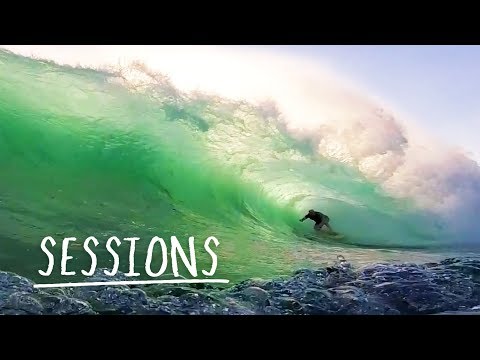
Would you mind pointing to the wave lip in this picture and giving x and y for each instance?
(340, 119)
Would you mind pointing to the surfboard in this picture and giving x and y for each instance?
(334, 235)
(324, 235)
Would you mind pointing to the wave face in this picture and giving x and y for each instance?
(123, 152)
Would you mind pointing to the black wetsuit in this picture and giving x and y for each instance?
(318, 217)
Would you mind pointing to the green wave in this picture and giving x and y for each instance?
(82, 154)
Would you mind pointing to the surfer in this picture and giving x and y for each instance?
(319, 218)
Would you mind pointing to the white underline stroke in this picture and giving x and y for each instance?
(133, 282)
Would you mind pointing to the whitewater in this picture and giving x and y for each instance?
(236, 143)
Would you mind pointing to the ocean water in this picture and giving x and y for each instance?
(89, 152)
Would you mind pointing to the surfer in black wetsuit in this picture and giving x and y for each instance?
(319, 218)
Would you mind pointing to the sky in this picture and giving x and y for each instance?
(437, 86)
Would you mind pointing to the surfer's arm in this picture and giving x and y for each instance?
(304, 218)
